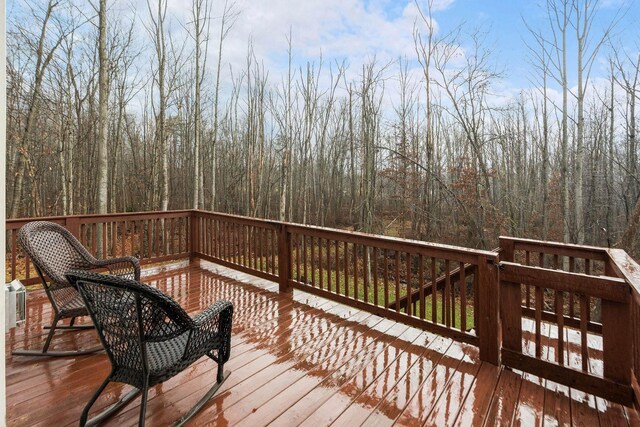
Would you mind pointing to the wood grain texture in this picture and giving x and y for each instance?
(296, 358)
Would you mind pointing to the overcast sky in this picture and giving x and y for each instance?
(355, 30)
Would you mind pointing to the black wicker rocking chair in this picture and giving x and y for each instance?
(55, 252)
(149, 338)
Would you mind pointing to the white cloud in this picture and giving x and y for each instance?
(338, 29)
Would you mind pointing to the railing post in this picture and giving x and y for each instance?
(284, 258)
(72, 223)
(193, 235)
(616, 335)
(510, 304)
(489, 331)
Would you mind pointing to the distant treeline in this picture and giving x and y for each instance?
(419, 147)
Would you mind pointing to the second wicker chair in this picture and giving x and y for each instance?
(55, 252)
(149, 338)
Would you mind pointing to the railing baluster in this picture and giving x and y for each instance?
(320, 266)
(158, 236)
(296, 240)
(113, 230)
(224, 239)
(329, 268)
(346, 269)
(222, 236)
(313, 262)
(386, 278)
(356, 281)
(397, 295)
(94, 239)
(264, 249)
(134, 237)
(261, 234)
(541, 259)
(27, 266)
(165, 235)
(304, 258)
(215, 236)
(236, 243)
(105, 237)
(208, 235)
(375, 276)
(149, 224)
(208, 242)
(448, 294)
(14, 251)
(560, 323)
(274, 251)
(434, 292)
(421, 285)
(587, 270)
(337, 269)
(538, 319)
(256, 233)
(245, 246)
(463, 298)
(365, 273)
(172, 234)
(408, 309)
(235, 229)
(527, 287)
(240, 244)
(263, 245)
(125, 237)
(583, 333)
(572, 268)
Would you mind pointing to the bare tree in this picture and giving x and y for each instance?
(228, 19)
(161, 170)
(103, 100)
(44, 55)
(584, 14)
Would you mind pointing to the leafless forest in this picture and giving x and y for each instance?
(419, 147)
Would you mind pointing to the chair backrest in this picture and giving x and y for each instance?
(128, 314)
(53, 250)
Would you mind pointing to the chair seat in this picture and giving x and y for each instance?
(165, 354)
(74, 307)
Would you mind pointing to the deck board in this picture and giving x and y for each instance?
(297, 359)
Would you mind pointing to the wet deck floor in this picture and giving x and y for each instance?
(296, 360)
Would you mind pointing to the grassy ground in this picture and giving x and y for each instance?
(330, 278)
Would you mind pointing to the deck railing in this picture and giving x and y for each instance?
(563, 324)
(568, 313)
(151, 236)
(387, 276)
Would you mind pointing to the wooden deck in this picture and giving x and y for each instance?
(297, 360)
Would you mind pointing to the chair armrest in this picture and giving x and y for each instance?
(213, 326)
(208, 319)
(127, 267)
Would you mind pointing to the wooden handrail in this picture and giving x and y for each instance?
(555, 248)
(606, 288)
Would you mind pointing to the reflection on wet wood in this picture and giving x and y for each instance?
(301, 359)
